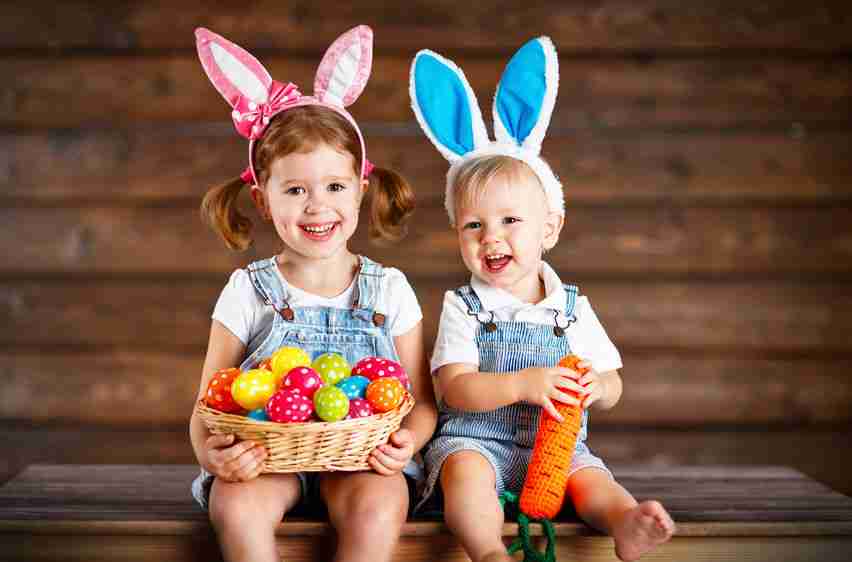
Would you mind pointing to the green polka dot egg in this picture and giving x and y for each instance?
(332, 368)
(331, 403)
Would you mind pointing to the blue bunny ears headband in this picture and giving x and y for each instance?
(449, 114)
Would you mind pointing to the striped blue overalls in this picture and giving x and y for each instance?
(504, 436)
(353, 333)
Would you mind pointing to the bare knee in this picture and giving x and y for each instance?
(255, 505)
(374, 515)
(467, 467)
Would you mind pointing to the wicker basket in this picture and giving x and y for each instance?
(312, 446)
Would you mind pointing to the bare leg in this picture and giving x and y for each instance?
(245, 515)
(367, 510)
(604, 504)
(471, 508)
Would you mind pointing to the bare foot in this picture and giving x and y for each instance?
(641, 529)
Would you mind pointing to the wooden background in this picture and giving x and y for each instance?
(705, 151)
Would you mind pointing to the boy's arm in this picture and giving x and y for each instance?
(463, 387)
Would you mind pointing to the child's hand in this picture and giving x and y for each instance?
(234, 463)
(592, 385)
(392, 457)
(542, 385)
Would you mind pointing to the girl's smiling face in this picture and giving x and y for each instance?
(313, 199)
(503, 231)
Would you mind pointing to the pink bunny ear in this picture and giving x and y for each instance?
(345, 68)
(231, 69)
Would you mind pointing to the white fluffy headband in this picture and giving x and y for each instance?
(449, 114)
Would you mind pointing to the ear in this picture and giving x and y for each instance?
(259, 198)
(526, 95)
(345, 68)
(553, 224)
(231, 69)
(445, 106)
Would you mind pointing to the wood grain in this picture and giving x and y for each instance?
(147, 165)
(607, 26)
(637, 240)
(135, 387)
(709, 92)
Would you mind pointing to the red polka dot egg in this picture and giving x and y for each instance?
(378, 367)
(219, 395)
(359, 408)
(385, 394)
(289, 406)
(303, 380)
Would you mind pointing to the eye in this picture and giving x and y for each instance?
(511, 220)
(295, 190)
(335, 187)
(472, 224)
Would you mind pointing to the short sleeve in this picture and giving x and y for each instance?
(403, 310)
(456, 341)
(239, 306)
(588, 339)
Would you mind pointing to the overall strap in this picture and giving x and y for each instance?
(369, 291)
(267, 282)
(561, 322)
(474, 307)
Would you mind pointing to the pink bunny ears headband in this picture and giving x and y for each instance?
(255, 97)
(447, 111)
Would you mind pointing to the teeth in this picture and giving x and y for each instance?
(319, 229)
(495, 256)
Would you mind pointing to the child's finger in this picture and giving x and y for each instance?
(400, 454)
(588, 377)
(569, 384)
(243, 465)
(386, 459)
(551, 409)
(566, 372)
(378, 466)
(564, 397)
(402, 437)
(237, 450)
(220, 441)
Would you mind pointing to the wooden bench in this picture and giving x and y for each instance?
(145, 512)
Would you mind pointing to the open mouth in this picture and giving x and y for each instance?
(319, 232)
(495, 263)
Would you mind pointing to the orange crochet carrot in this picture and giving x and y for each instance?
(547, 476)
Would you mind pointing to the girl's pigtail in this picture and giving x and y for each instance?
(390, 206)
(219, 211)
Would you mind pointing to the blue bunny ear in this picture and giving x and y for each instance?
(445, 106)
(526, 95)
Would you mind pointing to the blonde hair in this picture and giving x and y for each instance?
(302, 129)
(474, 176)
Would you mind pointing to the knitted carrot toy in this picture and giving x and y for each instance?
(547, 476)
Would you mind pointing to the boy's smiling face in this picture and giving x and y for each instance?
(503, 231)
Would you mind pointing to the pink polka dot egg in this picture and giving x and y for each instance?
(289, 406)
(303, 380)
(378, 367)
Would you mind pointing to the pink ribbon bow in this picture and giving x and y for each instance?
(252, 118)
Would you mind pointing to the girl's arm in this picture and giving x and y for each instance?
(224, 350)
(423, 417)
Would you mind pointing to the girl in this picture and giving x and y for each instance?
(308, 174)
(501, 335)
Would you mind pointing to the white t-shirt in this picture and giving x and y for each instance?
(456, 342)
(241, 310)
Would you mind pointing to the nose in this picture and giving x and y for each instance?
(316, 201)
(490, 233)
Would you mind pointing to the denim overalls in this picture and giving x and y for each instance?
(353, 333)
(504, 436)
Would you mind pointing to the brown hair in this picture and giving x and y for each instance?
(474, 176)
(391, 199)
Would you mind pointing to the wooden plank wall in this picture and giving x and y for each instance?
(705, 151)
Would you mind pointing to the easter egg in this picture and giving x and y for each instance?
(354, 386)
(219, 395)
(285, 359)
(359, 408)
(331, 403)
(378, 367)
(332, 367)
(303, 380)
(385, 394)
(253, 388)
(289, 406)
(258, 414)
(265, 364)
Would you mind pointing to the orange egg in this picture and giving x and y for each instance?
(385, 394)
